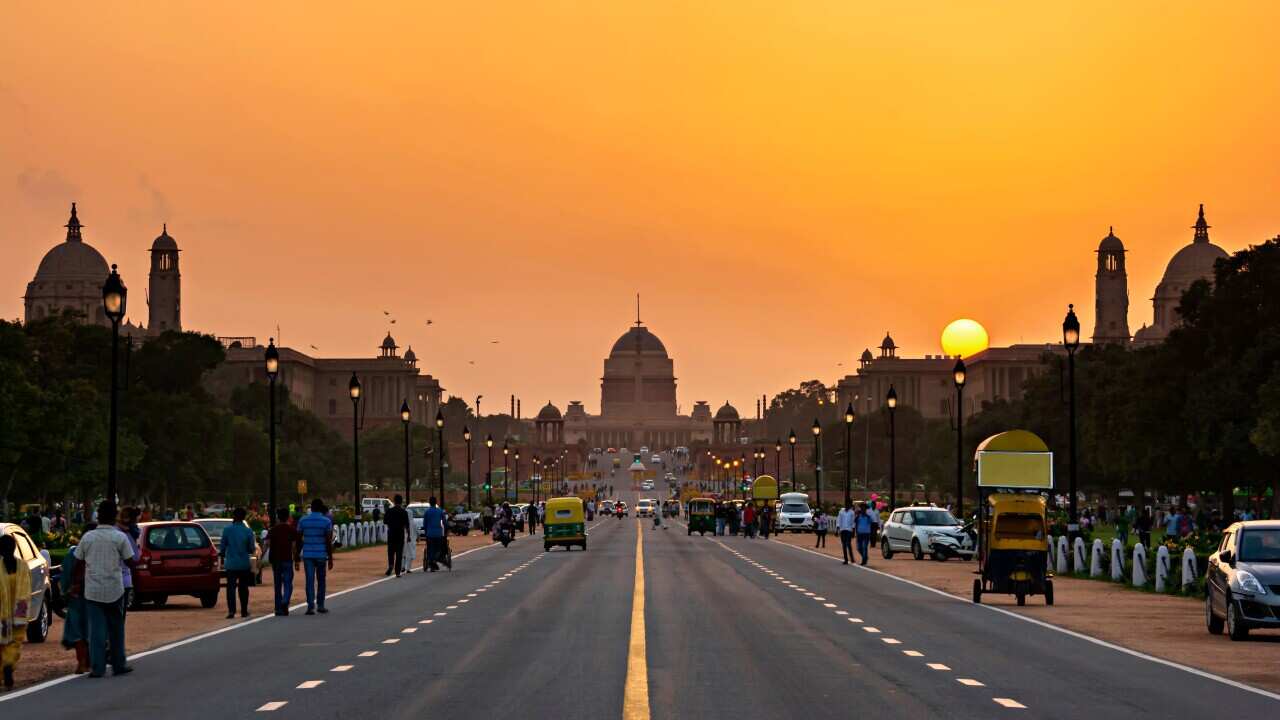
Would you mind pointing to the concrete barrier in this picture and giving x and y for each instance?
(1139, 565)
(1117, 561)
(1077, 552)
(1095, 559)
(1063, 568)
(1162, 568)
(1190, 570)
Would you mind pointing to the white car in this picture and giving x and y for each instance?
(913, 529)
(40, 609)
(794, 513)
(645, 508)
(656, 459)
(646, 485)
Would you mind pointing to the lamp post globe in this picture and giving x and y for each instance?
(488, 474)
(959, 376)
(1071, 340)
(506, 469)
(115, 298)
(817, 457)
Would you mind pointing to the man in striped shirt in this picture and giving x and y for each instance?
(316, 530)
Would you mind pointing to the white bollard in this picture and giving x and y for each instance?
(345, 534)
(1078, 552)
(1117, 561)
(364, 533)
(361, 529)
(1095, 559)
(1190, 571)
(1139, 566)
(1162, 568)
(1063, 568)
(383, 530)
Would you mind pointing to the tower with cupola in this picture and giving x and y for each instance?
(1111, 293)
(164, 287)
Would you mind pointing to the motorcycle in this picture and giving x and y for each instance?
(502, 532)
(944, 547)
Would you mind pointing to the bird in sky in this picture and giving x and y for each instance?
(393, 321)
(313, 347)
(385, 312)
(428, 321)
(494, 342)
(473, 362)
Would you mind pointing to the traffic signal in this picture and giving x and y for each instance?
(487, 486)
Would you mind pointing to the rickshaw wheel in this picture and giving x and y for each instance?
(977, 591)
(1048, 592)
(1022, 597)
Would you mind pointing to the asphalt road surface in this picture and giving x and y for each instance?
(729, 628)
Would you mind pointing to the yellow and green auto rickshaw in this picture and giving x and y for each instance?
(702, 516)
(564, 523)
(1013, 541)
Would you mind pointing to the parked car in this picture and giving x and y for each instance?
(914, 529)
(644, 508)
(214, 527)
(176, 558)
(214, 509)
(794, 513)
(40, 609)
(1242, 583)
(416, 511)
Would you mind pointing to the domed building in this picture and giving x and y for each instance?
(1193, 262)
(69, 277)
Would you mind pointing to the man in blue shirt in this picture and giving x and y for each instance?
(316, 530)
(433, 527)
(236, 548)
(863, 525)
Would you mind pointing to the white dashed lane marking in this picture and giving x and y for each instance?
(891, 641)
(428, 621)
(391, 641)
(938, 666)
(970, 682)
(342, 668)
(368, 653)
(871, 629)
(913, 653)
(1009, 703)
(273, 706)
(310, 684)
(409, 630)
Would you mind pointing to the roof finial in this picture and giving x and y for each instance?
(1201, 227)
(73, 226)
(638, 323)
(164, 228)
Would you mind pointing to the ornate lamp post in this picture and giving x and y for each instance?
(404, 420)
(353, 389)
(817, 454)
(1071, 340)
(440, 450)
(506, 471)
(517, 483)
(849, 417)
(466, 437)
(777, 460)
(791, 440)
(272, 358)
(114, 298)
(891, 400)
(488, 473)
(959, 375)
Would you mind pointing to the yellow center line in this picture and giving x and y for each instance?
(635, 697)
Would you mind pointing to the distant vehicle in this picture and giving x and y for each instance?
(644, 449)
(40, 607)
(794, 513)
(596, 451)
(518, 512)
(612, 451)
(606, 507)
(214, 509)
(416, 512)
(620, 509)
(369, 503)
(645, 508)
(176, 558)
(656, 459)
(1242, 583)
(916, 527)
(646, 485)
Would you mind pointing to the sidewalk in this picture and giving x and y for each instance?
(1160, 625)
(183, 617)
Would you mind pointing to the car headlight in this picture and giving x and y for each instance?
(1248, 583)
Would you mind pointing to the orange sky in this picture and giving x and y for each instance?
(782, 181)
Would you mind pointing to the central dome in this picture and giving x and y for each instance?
(1195, 261)
(638, 339)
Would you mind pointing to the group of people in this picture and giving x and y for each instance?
(402, 537)
(746, 520)
(855, 522)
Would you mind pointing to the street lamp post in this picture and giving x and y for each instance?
(466, 437)
(517, 483)
(777, 461)
(506, 471)
(791, 440)
(892, 401)
(817, 454)
(404, 420)
(849, 417)
(440, 451)
(272, 357)
(114, 297)
(959, 376)
(488, 473)
(353, 388)
(1071, 340)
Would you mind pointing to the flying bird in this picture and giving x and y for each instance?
(313, 347)
(384, 312)
(393, 321)
(428, 321)
(494, 342)
(473, 362)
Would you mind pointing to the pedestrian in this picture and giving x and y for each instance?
(486, 518)
(1171, 523)
(844, 524)
(316, 530)
(75, 627)
(531, 517)
(237, 548)
(15, 600)
(720, 519)
(820, 528)
(863, 526)
(433, 527)
(398, 530)
(102, 550)
(735, 519)
(749, 521)
(1143, 525)
(283, 546)
(126, 525)
(410, 547)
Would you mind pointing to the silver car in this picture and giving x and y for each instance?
(40, 609)
(913, 529)
(1242, 583)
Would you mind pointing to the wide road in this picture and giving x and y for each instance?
(729, 627)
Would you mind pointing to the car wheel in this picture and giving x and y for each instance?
(208, 600)
(38, 631)
(161, 600)
(1236, 628)
(938, 556)
(885, 551)
(1212, 622)
(917, 552)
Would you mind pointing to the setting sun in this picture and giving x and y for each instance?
(964, 337)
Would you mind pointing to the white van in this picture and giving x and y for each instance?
(794, 513)
(369, 503)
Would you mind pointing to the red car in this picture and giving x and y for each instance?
(177, 558)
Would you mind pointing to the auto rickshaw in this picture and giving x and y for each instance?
(702, 516)
(1013, 544)
(564, 523)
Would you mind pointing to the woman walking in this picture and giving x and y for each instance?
(15, 596)
(75, 626)
(820, 528)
